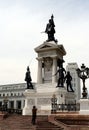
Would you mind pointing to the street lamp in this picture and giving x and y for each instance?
(5, 101)
(83, 73)
(54, 103)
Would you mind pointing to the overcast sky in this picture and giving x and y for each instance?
(21, 24)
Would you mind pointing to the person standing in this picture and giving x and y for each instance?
(34, 114)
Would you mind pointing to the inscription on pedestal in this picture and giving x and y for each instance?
(31, 101)
(48, 76)
(49, 53)
(43, 101)
(47, 69)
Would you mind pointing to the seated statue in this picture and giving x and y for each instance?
(28, 79)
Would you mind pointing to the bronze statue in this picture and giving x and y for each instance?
(68, 79)
(50, 30)
(61, 72)
(28, 79)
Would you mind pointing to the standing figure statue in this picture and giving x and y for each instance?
(50, 30)
(28, 79)
(68, 79)
(62, 73)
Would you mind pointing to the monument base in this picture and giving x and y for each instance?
(41, 97)
(69, 98)
(84, 106)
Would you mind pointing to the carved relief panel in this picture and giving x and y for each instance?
(48, 69)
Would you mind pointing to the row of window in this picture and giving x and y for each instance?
(11, 94)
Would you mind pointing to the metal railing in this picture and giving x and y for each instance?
(10, 110)
(63, 107)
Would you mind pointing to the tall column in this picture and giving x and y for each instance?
(15, 104)
(22, 103)
(39, 74)
(26, 102)
(54, 69)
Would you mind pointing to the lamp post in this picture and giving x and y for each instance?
(5, 101)
(54, 103)
(83, 73)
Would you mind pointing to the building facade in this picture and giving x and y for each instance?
(75, 79)
(13, 95)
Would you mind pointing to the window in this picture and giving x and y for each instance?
(0, 104)
(18, 104)
(11, 104)
(3, 94)
(14, 94)
(11, 94)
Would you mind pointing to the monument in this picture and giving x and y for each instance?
(50, 61)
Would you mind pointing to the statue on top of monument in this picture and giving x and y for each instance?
(50, 30)
(28, 79)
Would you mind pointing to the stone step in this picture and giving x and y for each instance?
(16, 122)
(19, 122)
(45, 125)
(46, 128)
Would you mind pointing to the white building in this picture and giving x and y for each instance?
(75, 79)
(13, 93)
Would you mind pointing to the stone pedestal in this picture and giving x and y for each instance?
(41, 98)
(29, 101)
(84, 106)
(69, 98)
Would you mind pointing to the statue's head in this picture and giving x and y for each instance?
(52, 16)
(49, 20)
(68, 72)
(27, 68)
(34, 106)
